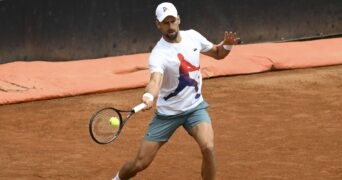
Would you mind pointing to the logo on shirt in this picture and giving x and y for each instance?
(184, 77)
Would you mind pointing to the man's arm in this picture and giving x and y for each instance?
(221, 50)
(152, 89)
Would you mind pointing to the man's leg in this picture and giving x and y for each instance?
(145, 156)
(204, 135)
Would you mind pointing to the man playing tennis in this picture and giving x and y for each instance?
(176, 81)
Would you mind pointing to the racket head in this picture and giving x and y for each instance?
(100, 127)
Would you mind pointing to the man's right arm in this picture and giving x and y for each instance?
(152, 88)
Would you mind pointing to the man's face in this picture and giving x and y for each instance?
(169, 27)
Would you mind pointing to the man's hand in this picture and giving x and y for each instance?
(230, 38)
(221, 50)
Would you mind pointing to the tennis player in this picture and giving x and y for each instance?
(176, 82)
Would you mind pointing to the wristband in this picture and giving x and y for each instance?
(149, 96)
(228, 47)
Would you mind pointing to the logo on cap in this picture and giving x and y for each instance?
(164, 9)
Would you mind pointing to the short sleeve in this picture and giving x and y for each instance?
(155, 63)
(205, 44)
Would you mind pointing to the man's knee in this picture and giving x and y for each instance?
(208, 149)
(141, 164)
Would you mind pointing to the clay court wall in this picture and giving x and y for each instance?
(59, 30)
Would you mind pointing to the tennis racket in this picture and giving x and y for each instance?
(106, 124)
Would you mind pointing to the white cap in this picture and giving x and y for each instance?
(165, 9)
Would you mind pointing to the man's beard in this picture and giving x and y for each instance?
(171, 37)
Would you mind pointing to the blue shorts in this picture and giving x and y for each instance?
(162, 127)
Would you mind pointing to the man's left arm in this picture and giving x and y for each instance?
(221, 50)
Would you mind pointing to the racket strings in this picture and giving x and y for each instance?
(102, 128)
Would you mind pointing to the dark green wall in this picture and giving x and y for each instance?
(82, 29)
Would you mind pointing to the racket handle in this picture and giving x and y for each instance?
(139, 107)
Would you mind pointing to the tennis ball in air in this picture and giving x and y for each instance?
(114, 121)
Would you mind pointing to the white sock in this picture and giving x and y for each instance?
(116, 177)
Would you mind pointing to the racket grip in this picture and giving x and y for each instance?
(139, 107)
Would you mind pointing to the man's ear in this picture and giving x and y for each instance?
(157, 24)
(179, 20)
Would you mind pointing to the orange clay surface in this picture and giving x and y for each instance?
(281, 125)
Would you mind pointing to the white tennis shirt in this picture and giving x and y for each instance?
(180, 65)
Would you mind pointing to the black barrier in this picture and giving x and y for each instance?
(83, 29)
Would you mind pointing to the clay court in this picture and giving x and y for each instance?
(273, 125)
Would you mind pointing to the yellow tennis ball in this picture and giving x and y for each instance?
(114, 121)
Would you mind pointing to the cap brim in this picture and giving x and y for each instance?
(160, 19)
